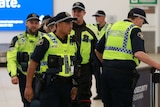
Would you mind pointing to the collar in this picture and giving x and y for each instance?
(36, 34)
(127, 20)
(75, 25)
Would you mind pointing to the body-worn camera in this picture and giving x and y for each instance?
(54, 61)
(54, 64)
(23, 58)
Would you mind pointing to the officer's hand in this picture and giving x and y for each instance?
(74, 93)
(15, 80)
(28, 93)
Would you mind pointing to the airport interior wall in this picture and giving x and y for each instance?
(115, 10)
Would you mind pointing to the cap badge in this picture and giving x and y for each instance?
(34, 15)
(67, 14)
(77, 4)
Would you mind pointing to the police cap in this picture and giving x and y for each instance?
(64, 17)
(51, 21)
(78, 5)
(137, 12)
(99, 13)
(32, 16)
(46, 17)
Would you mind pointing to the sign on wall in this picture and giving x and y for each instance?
(143, 92)
(143, 1)
(14, 12)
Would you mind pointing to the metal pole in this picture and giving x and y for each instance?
(156, 87)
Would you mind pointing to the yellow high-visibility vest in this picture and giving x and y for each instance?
(64, 50)
(118, 43)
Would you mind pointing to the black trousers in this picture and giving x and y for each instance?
(22, 85)
(96, 66)
(56, 92)
(84, 87)
(117, 89)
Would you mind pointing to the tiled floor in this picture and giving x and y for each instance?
(9, 93)
(10, 97)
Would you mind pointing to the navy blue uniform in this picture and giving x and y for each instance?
(97, 71)
(85, 79)
(117, 74)
(56, 93)
(40, 50)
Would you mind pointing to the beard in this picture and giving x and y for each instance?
(31, 31)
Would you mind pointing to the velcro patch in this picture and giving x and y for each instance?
(40, 42)
(139, 34)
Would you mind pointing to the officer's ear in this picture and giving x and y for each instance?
(84, 12)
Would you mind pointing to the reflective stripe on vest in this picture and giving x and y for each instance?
(121, 48)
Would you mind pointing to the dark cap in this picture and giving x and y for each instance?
(46, 17)
(78, 5)
(137, 12)
(99, 13)
(33, 16)
(64, 17)
(51, 21)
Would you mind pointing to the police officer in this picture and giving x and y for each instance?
(43, 27)
(101, 26)
(19, 52)
(51, 25)
(122, 53)
(86, 40)
(101, 23)
(55, 52)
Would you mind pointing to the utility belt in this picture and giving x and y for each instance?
(23, 59)
(61, 79)
(47, 78)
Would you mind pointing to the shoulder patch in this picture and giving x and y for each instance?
(11, 44)
(139, 34)
(13, 41)
(40, 42)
